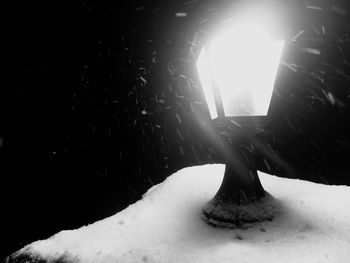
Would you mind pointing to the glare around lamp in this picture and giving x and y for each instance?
(237, 70)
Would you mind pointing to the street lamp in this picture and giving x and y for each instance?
(237, 70)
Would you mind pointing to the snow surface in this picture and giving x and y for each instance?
(166, 226)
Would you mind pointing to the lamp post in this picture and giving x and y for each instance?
(237, 70)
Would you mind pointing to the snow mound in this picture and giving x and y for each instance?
(166, 226)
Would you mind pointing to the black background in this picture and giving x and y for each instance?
(102, 102)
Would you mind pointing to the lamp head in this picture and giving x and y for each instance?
(237, 70)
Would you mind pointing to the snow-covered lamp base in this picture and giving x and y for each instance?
(221, 213)
(166, 226)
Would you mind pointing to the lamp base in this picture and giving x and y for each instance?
(225, 213)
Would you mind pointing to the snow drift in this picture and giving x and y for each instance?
(166, 226)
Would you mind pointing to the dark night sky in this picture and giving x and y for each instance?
(102, 103)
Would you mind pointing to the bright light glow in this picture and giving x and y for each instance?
(242, 63)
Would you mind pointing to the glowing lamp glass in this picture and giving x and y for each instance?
(241, 64)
